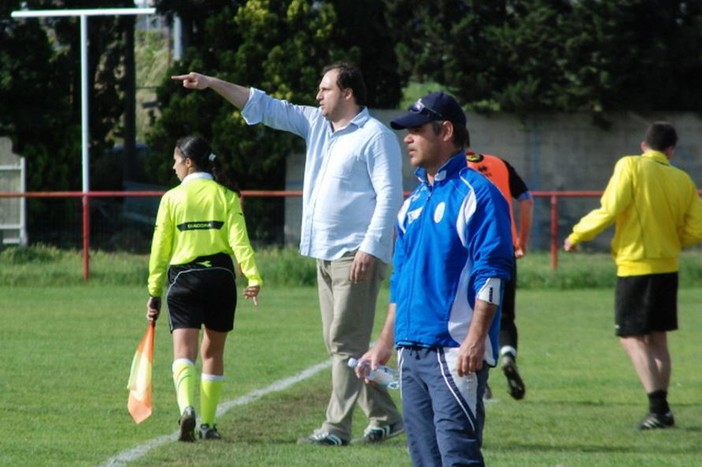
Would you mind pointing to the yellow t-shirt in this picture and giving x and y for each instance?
(199, 217)
(656, 211)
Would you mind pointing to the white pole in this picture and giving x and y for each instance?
(23, 203)
(85, 108)
(177, 38)
(84, 12)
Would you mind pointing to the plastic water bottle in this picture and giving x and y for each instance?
(382, 376)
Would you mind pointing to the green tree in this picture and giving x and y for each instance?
(35, 114)
(362, 32)
(42, 82)
(34, 100)
(645, 53)
(40, 98)
(109, 73)
(543, 55)
(280, 47)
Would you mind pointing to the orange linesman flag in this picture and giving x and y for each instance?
(140, 404)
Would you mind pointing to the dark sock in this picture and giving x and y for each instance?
(658, 402)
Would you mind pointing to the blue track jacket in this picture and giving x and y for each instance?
(451, 238)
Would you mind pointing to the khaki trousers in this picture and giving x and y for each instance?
(348, 313)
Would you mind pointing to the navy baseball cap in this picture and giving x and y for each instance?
(436, 106)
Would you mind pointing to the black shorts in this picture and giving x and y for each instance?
(202, 292)
(645, 304)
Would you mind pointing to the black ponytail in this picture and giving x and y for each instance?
(199, 151)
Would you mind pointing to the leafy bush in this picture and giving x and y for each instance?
(42, 265)
(38, 254)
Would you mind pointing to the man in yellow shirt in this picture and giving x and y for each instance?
(657, 212)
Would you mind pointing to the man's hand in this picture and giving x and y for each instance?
(363, 267)
(569, 246)
(472, 351)
(470, 357)
(379, 354)
(153, 308)
(193, 80)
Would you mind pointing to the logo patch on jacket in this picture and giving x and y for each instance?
(200, 225)
(439, 212)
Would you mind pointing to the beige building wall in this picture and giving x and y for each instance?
(552, 152)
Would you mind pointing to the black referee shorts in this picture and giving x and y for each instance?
(645, 304)
(202, 292)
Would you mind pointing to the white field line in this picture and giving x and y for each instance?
(141, 450)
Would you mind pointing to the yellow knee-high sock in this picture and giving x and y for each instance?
(210, 393)
(184, 381)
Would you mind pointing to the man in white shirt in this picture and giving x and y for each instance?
(351, 194)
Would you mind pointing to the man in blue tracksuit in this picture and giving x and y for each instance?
(453, 253)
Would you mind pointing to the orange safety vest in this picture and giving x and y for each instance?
(496, 170)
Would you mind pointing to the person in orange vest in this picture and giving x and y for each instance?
(506, 178)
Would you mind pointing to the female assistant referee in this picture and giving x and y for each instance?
(199, 225)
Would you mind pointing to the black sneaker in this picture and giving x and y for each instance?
(514, 381)
(378, 434)
(187, 425)
(209, 432)
(323, 438)
(654, 421)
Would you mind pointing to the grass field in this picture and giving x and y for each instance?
(66, 352)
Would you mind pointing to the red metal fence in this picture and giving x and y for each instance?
(552, 196)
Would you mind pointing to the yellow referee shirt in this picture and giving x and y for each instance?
(199, 217)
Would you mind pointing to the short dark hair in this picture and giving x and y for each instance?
(661, 136)
(461, 137)
(462, 134)
(350, 77)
